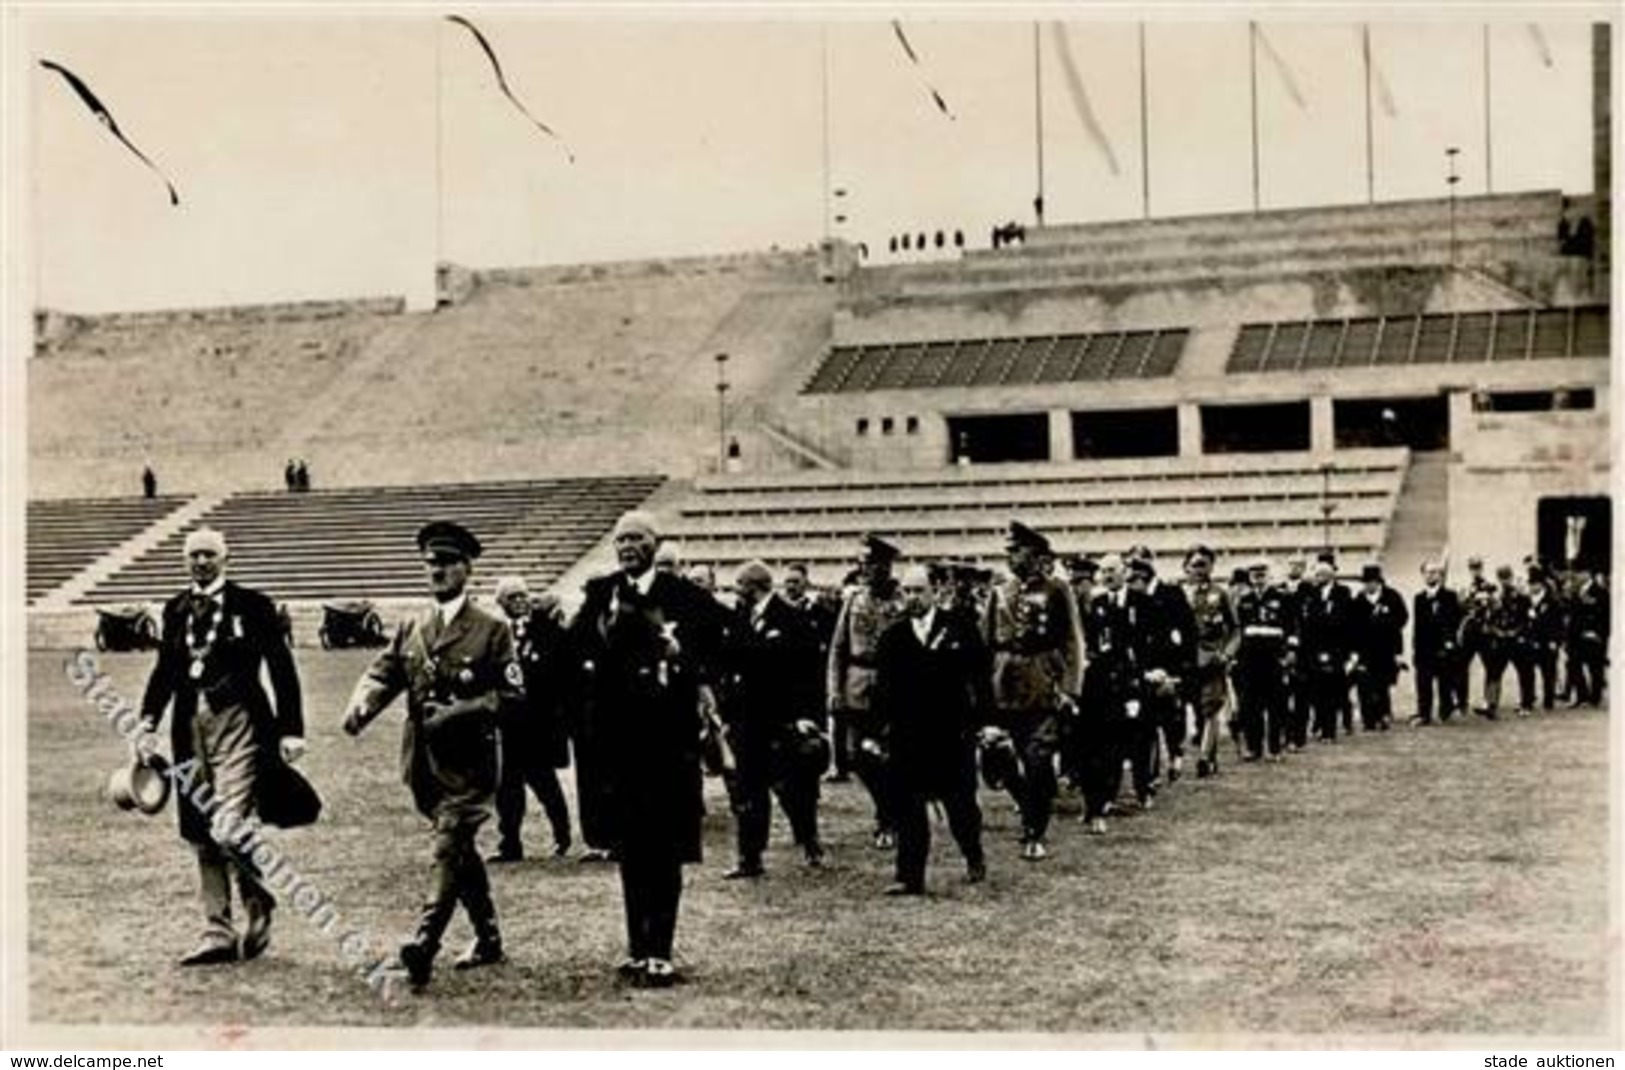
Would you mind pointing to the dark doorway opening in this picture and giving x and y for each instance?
(1125, 433)
(1270, 428)
(998, 439)
(1423, 424)
(1575, 532)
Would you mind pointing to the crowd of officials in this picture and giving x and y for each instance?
(922, 683)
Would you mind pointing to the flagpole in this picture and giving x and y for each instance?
(1038, 120)
(1252, 69)
(439, 191)
(1145, 142)
(1489, 159)
(1370, 163)
(823, 44)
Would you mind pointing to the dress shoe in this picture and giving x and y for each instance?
(418, 962)
(561, 849)
(814, 857)
(1097, 827)
(975, 872)
(1523, 711)
(210, 953)
(257, 937)
(1034, 851)
(596, 854)
(744, 871)
(480, 953)
(884, 840)
(506, 854)
(659, 973)
(1176, 769)
(905, 888)
(631, 969)
(1203, 769)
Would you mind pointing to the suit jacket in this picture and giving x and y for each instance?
(1170, 630)
(469, 668)
(537, 721)
(1436, 625)
(773, 671)
(248, 637)
(1323, 619)
(1589, 613)
(645, 658)
(1544, 623)
(931, 697)
(1377, 633)
(1116, 644)
(1034, 631)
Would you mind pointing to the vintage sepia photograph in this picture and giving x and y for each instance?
(1082, 524)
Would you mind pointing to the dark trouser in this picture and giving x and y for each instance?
(593, 799)
(764, 772)
(1329, 698)
(841, 742)
(1376, 699)
(1211, 700)
(871, 773)
(914, 825)
(1036, 734)
(1542, 660)
(1168, 713)
(1588, 660)
(1496, 659)
(1436, 677)
(1263, 702)
(1300, 697)
(1136, 741)
(459, 877)
(651, 889)
(521, 768)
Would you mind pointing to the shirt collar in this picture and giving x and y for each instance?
(448, 610)
(213, 590)
(922, 624)
(644, 582)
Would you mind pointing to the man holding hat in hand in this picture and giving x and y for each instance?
(457, 665)
(1377, 619)
(225, 733)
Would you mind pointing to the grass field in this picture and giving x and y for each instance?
(1450, 879)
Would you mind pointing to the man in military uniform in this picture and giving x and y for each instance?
(534, 741)
(770, 707)
(1322, 648)
(1168, 641)
(1502, 628)
(1540, 639)
(217, 635)
(1377, 619)
(1031, 625)
(459, 670)
(866, 612)
(1264, 624)
(1215, 639)
(931, 693)
(1478, 599)
(649, 643)
(1589, 619)
(1113, 719)
(1435, 651)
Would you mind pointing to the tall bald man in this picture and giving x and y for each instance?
(226, 733)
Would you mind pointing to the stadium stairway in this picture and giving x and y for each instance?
(72, 544)
(1421, 524)
(1241, 504)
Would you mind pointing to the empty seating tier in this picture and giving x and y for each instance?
(67, 535)
(1443, 338)
(359, 542)
(1065, 358)
(1241, 504)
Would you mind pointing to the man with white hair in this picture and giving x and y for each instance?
(1435, 638)
(648, 644)
(534, 741)
(232, 743)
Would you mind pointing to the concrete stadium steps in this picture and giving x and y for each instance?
(359, 542)
(1421, 525)
(67, 535)
(1241, 504)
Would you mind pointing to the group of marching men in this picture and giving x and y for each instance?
(925, 679)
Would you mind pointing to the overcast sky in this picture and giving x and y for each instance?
(304, 148)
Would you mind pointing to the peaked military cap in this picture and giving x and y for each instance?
(1022, 535)
(877, 549)
(448, 537)
(1199, 550)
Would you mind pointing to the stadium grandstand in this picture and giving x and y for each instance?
(1224, 378)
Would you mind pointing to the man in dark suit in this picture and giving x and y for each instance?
(931, 693)
(534, 741)
(1114, 722)
(1323, 648)
(769, 704)
(649, 642)
(457, 665)
(1540, 639)
(1435, 646)
(225, 735)
(1589, 619)
(820, 620)
(1169, 634)
(1377, 619)
(1031, 625)
(1300, 705)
